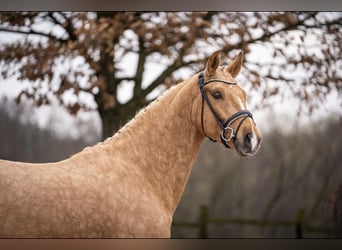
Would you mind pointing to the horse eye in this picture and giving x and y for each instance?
(217, 95)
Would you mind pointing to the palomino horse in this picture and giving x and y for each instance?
(131, 184)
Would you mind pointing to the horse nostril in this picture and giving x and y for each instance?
(248, 139)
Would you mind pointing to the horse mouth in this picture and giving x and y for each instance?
(245, 151)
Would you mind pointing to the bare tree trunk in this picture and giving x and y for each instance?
(110, 122)
(113, 119)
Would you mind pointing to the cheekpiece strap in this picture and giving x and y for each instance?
(225, 126)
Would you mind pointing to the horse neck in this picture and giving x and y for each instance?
(163, 142)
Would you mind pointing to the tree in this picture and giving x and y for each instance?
(93, 46)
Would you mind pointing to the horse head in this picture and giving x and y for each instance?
(222, 111)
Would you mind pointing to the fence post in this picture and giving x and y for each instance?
(299, 224)
(203, 222)
(338, 213)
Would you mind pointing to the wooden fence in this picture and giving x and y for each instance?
(300, 228)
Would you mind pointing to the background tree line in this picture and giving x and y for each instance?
(23, 140)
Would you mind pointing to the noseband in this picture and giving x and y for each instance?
(225, 126)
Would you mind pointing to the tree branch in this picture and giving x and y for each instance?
(337, 22)
(168, 71)
(140, 68)
(54, 19)
(268, 35)
(69, 27)
(32, 32)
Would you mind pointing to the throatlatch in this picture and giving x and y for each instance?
(225, 126)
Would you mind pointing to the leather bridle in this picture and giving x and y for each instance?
(225, 126)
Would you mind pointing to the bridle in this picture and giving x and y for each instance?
(225, 126)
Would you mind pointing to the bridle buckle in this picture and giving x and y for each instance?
(223, 134)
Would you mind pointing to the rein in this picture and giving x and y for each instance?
(225, 126)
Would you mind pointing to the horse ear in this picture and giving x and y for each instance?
(212, 63)
(234, 67)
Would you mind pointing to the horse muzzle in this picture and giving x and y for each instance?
(248, 144)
